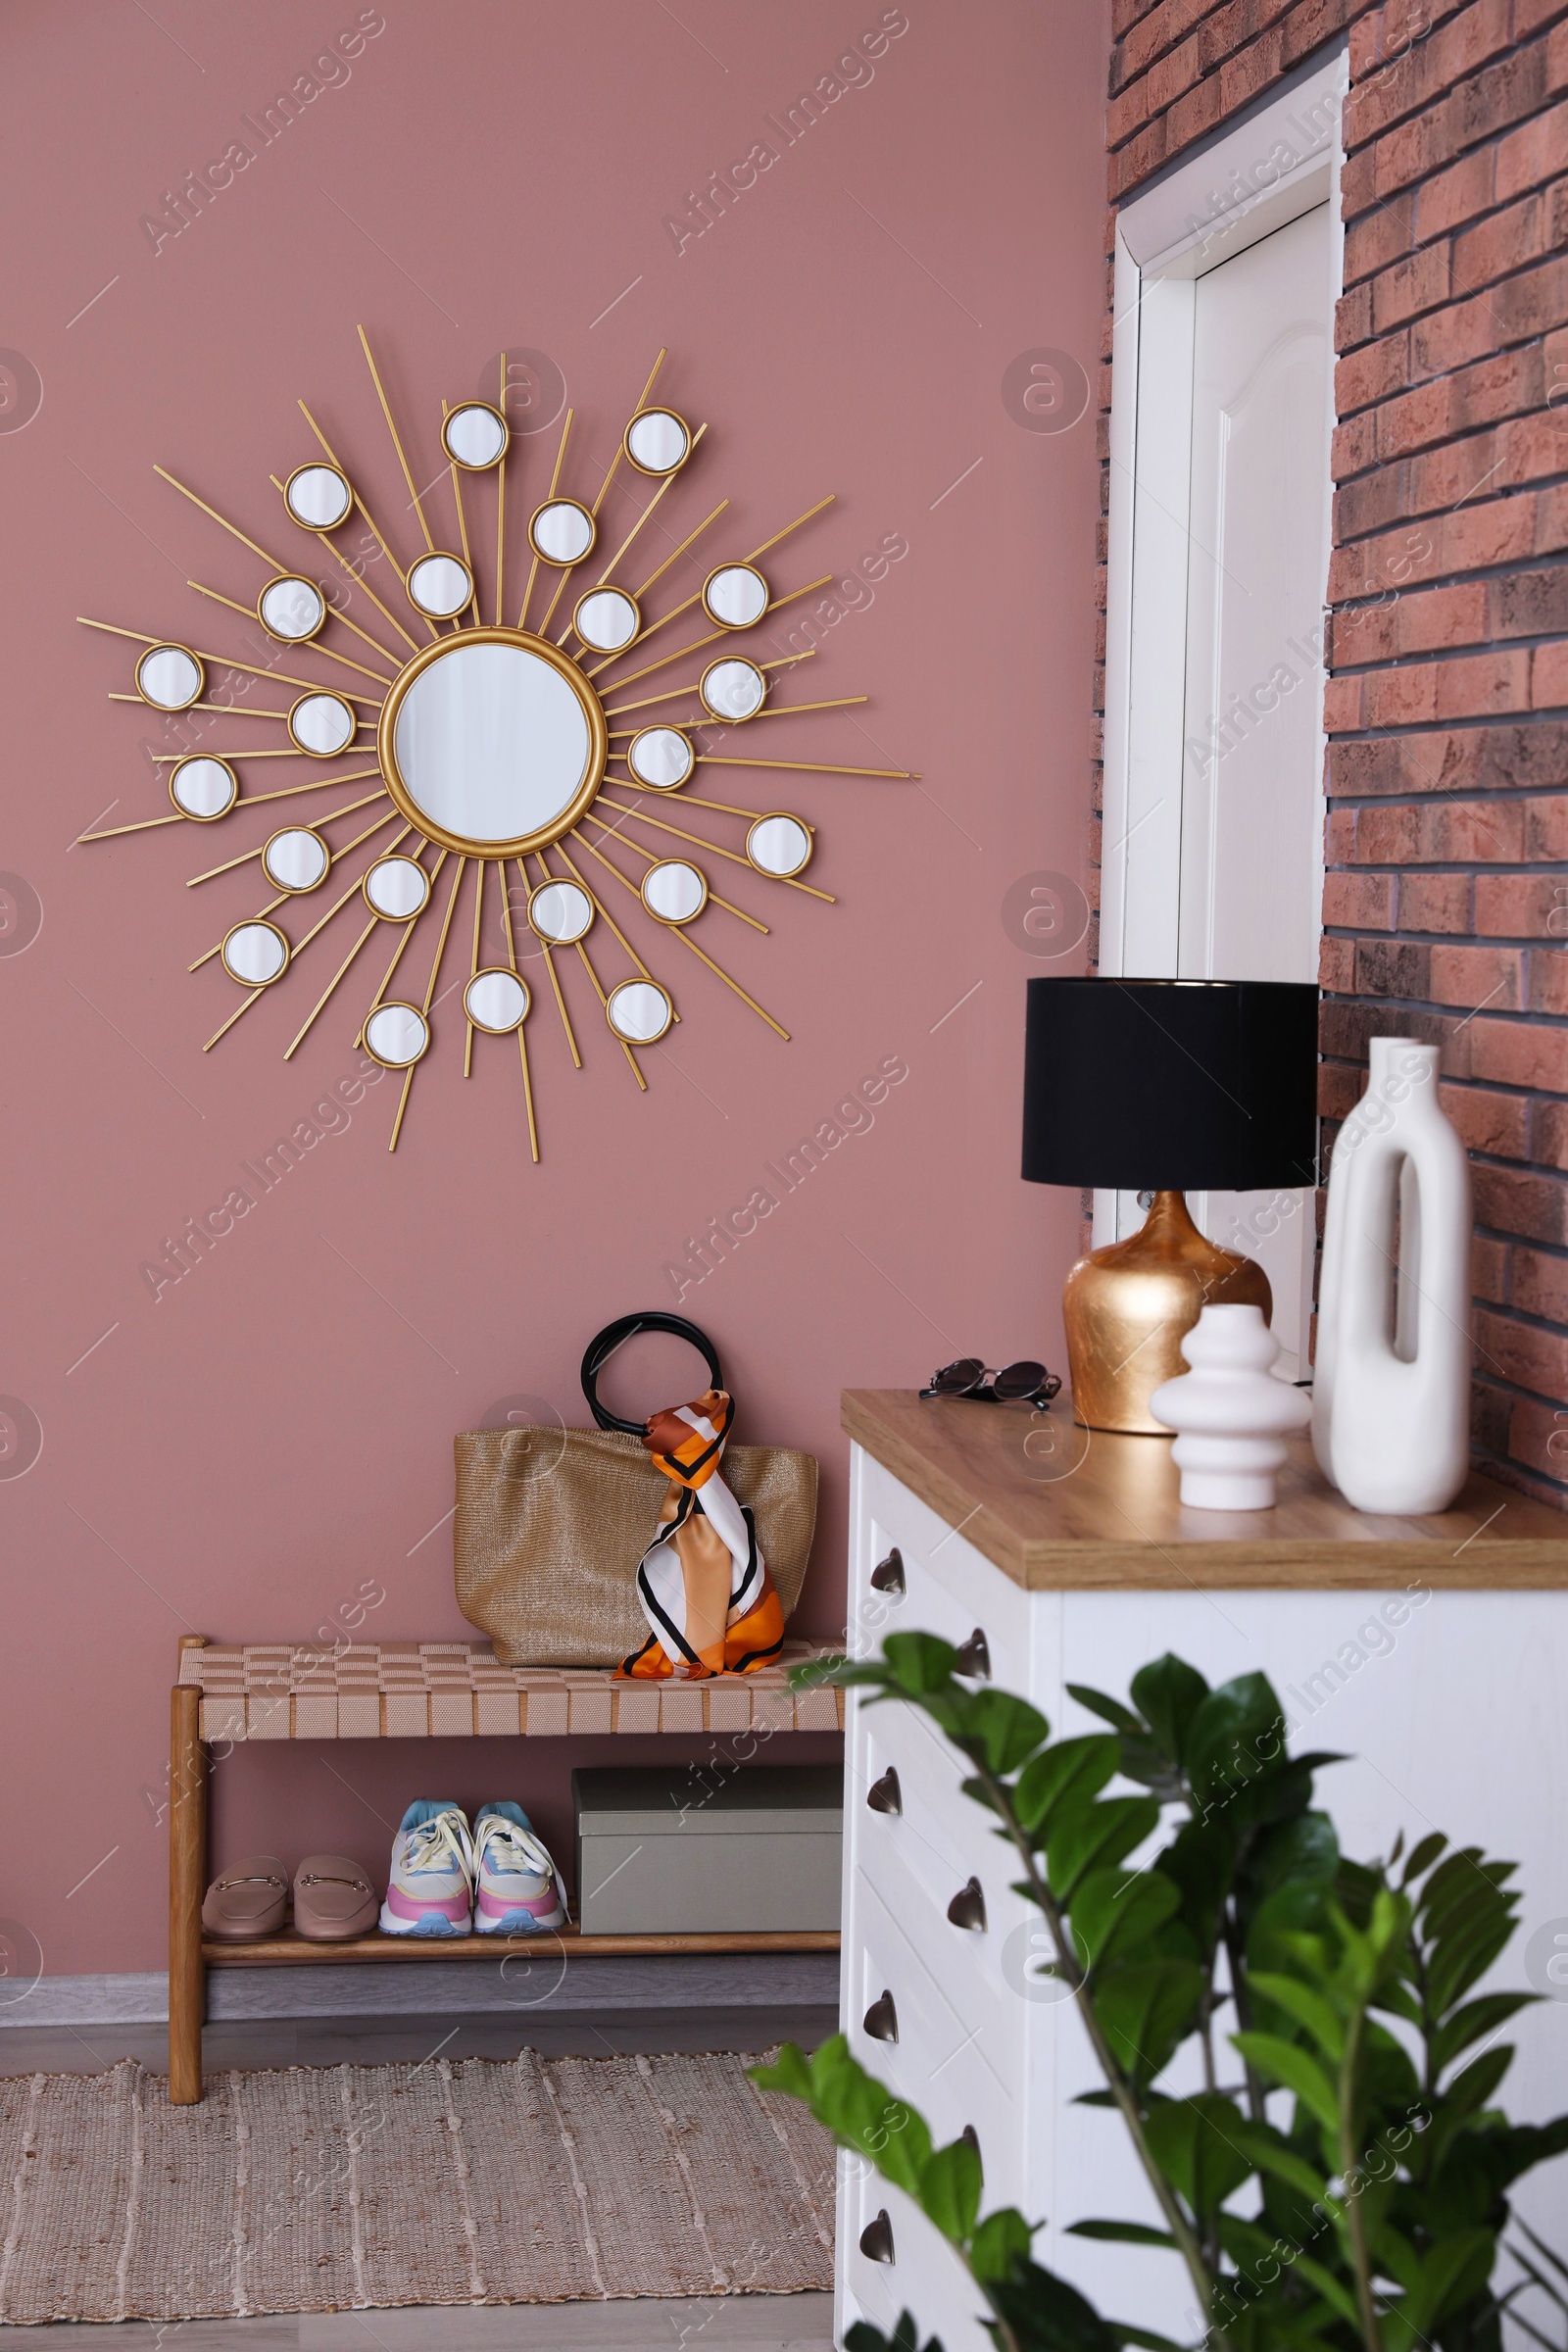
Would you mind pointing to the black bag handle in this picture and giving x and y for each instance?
(605, 1343)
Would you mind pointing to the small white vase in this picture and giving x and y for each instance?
(1390, 1396)
(1230, 1414)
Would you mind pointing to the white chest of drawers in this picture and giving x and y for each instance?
(1075, 1563)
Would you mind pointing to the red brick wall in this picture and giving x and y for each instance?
(1447, 701)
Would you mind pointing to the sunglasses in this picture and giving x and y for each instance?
(1022, 1382)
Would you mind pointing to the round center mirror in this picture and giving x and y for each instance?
(291, 609)
(475, 436)
(561, 531)
(491, 743)
(660, 756)
(321, 724)
(318, 497)
(203, 787)
(169, 677)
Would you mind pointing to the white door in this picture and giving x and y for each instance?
(1213, 864)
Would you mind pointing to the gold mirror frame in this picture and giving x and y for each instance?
(582, 799)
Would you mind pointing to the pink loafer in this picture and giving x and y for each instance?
(333, 1899)
(247, 1901)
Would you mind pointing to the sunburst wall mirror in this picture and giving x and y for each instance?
(536, 760)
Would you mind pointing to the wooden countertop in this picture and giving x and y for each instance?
(1059, 1507)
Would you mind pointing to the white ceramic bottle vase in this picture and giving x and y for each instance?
(1229, 1412)
(1391, 1398)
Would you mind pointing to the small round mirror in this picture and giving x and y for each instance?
(396, 1036)
(639, 1011)
(658, 441)
(169, 677)
(321, 724)
(296, 859)
(255, 953)
(318, 497)
(735, 596)
(779, 844)
(440, 585)
(203, 787)
(291, 609)
(675, 891)
(606, 619)
(733, 689)
(660, 758)
(476, 436)
(496, 1001)
(396, 888)
(561, 913)
(561, 531)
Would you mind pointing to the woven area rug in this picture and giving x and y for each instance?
(333, 2188)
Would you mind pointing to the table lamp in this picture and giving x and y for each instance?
(1163, 1085)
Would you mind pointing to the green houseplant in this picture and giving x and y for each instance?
(1378, 2176)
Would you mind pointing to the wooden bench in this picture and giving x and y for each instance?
(232, 1693)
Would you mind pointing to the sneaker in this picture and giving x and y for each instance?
(432, 1889)
(519, 1891)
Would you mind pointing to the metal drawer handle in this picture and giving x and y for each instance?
(884, 1796)
(973, 1658)
(876, 2238)
(967, 1908)
(888, 1577)
(881, 2020)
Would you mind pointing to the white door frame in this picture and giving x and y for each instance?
(1241, 187)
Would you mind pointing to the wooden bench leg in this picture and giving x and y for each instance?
(187, 1882)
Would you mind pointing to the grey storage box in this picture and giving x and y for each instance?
(695, 1849)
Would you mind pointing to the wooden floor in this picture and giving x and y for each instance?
(709, 2323)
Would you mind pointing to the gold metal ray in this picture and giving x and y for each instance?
(600, 908)
(501, 535)
(260, 917)
(281, 677)
(349, 752)
(479, 917)
(397, 444)
(790, 527)
(669, 481)
(229, 867)
(811, 767)
(321, 1001)
(682, 798)
(326, 651)
(641, 404)
(148, 824)
(789, 880)
(233, 1016)
(376, 530)
(844, 702)
(222, 520)
(290, 791)
(462, 526)
(403, 1104)
(550, 960)
(681, 550)
(527, 1090)
(397, 952)
(440, 950)
(554, 481)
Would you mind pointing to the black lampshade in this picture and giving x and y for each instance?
(1172, 1084)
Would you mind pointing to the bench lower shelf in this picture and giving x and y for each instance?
(288, 1949)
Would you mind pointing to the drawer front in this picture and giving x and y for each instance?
(940, 2062)
(913, 1879)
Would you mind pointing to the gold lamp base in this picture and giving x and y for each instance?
(1127, 1310)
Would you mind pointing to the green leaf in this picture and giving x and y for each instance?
(1194, 2142)
(1000, 2244)
(1168, 1695)
(1237, 1733)
(906, 2337)
(1456, 2268)
(1423, 1855)
(1112, 1914)
(1069, 1772)
(1145, 2008)
(919, 1662)
(859, 2111)
(1125, 2233)
(1308, 2007)
(1294, 2069)
(789, 2073)
(1126, 2333)
(1461, 1960)
(1474, 2085)
(1004, 1731)
(950, 2191)
(1467, 2024)
(1109, 1710)
(1091, 1837)
(1046, 2315)
(1269, 2151)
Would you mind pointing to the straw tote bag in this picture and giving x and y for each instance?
(551, 1523)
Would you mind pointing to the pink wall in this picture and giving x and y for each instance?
(238, 1455)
